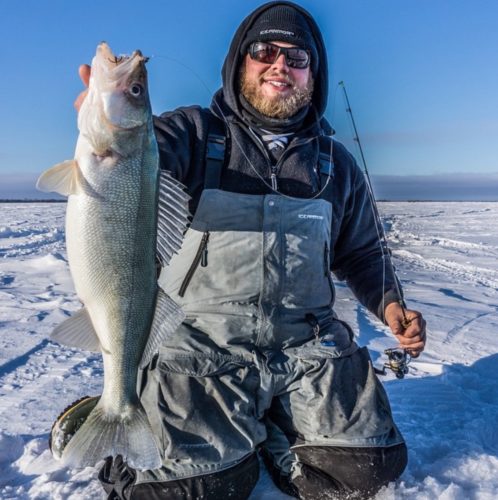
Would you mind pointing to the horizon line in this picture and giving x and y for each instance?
(380, 200)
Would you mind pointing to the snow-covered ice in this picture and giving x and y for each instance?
(447, 407)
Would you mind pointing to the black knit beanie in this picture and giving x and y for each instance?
(282, 23)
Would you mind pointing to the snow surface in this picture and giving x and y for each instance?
(447, 407)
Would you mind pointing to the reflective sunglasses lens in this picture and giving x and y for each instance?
(297, 58)
(265, 53)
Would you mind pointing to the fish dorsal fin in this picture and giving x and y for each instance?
(167, 317)
(77, 331)
(63, 178)
(172, 218)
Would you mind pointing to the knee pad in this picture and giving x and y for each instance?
(324, 472)
(235, 483)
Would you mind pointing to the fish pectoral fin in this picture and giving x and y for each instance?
(63, 178)
(77, 331)
(168, 316)
(172, 216)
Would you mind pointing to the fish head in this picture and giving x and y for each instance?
(119, 87)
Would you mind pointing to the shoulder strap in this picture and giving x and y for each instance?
(215, 153)
(326, 166)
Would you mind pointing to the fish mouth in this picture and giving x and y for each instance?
(120, 69)
(119, 82)
(106, 56)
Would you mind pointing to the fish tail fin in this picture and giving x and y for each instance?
(104, 435)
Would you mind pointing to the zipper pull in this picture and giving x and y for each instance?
(204, 254)
(311, 319)
(273, 177)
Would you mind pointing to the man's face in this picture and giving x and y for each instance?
(276, 90)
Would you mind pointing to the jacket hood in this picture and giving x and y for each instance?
(230, 70)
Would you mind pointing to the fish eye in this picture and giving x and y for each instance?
(136, 90)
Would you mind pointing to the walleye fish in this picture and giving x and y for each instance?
(121, 210)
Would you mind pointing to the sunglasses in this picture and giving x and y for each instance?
(267, 53)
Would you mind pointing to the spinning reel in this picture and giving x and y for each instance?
(397, 362)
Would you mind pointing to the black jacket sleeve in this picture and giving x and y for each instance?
(181, 137)
(358, 256)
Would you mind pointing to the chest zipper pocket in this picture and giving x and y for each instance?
(326, 257)
(201, 257)
(326, 270)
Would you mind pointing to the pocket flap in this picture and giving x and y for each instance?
(336, 340)
(199, 364)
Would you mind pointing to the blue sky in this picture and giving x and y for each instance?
(422, 75)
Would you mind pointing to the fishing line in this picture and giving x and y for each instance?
(227, 123)
(373, 206)
(397, 360)
(384, 247)
(381, 235)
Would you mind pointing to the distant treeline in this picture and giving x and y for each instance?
(379, 200)
(32, 201)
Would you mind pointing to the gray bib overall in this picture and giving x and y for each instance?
(261, 356)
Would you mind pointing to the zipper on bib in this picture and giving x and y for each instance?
(326, 271)
(326, 260)
(200, 258)
(273, 177)
(313, 322)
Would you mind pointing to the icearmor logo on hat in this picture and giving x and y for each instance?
(278, 32)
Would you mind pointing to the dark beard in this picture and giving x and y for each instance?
(279, 106)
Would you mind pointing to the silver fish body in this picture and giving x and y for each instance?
(114, 187)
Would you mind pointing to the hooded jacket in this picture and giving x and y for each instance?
(182, 136)
(231, 68)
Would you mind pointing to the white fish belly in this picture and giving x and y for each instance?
(110, 231)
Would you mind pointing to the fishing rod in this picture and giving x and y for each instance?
(398, 359)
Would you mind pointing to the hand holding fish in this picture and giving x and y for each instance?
(84, 71)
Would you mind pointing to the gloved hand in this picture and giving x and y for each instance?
(117, 478)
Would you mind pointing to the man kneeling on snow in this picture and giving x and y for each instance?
(262, 362)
